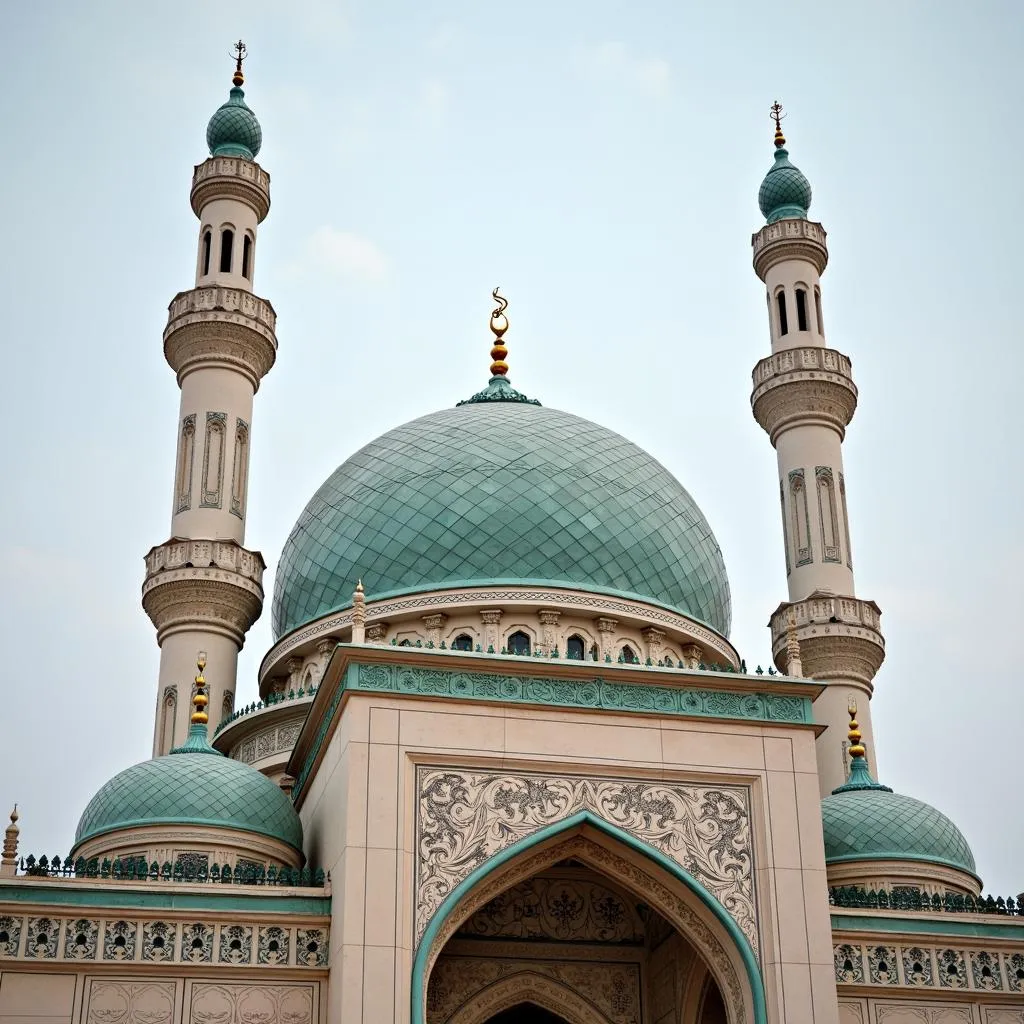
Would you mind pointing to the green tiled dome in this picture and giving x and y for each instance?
(195, 785)
(233, 130)
(877, 824)
(501, 491)
(785, 192)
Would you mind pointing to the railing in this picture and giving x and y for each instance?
(909, 898)
(135, 869)
(272, 699)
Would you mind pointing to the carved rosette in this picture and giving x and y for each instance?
(229, 177)
(839, 637)
(221, 326)
(803, 386)
(213, 585)
(789, 239)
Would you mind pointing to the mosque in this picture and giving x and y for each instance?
(506, 765)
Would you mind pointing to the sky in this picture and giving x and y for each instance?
(600, 162)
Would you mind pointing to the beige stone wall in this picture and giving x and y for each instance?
(905, 1011)
(360, 813)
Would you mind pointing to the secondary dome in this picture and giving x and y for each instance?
(233, 130)
(195, 785)
(785, 191)
(501, 490)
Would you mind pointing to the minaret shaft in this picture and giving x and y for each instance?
(804, 397)
(203, 588)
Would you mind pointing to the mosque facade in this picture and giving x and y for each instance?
(506, 765)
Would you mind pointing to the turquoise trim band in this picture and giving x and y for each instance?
(592, 694)
(929, 923)
(751, 968)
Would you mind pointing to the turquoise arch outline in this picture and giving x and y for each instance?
(565, 825)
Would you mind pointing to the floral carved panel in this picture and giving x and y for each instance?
(150, 1002)
(464, 818)
(252, 1004)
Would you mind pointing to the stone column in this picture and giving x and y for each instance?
(692, 655)
(324, 650)
(376, 632)
(294, 666)
(9, 861)
(549, 631)
(491, 620)
(434, 624)
(654, 638)
(606, 637)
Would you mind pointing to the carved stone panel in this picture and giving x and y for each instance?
(130, 1002)
(252, 1004)
(464, 818)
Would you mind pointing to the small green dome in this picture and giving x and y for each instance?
(194, 785)
(785, 192)
(874, 823)
(501, 490)
(233, 130)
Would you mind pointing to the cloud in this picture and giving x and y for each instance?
(613, 62)
(345, 255)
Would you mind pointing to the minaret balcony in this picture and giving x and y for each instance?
(221, 325)
(789, 239)
(799, 386)
(840, 637)
(231, 177)
(203, 584)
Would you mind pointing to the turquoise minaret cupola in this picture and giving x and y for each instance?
(233, 130)
(785, 191)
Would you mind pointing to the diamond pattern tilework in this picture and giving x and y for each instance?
(193, 788)
(501, 491)
(876, 824)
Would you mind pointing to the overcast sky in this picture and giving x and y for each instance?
(600, 162)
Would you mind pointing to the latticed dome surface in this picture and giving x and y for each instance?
(873, 824)
(501, 492)
(192, 789)
(785, 192)
(233, 130)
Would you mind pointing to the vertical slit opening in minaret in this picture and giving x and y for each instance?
(817, 312)
(227, 241)
(246, 255)
(783, 321)
(801, 309)
(207, 245)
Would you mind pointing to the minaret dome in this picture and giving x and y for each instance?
(785, 191)
(233, 130)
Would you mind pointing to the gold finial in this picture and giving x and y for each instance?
(359, 586)
(777, 115)
(240, 53)
(854, 736)
(9, 859)
(499, 325)
(200, 700)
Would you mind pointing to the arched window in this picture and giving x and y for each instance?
(519, 643)
(207, 244)
(574, 648)
(227, 241)
(629, 656)
(801, 309)
(246, 255)
(463, 642)
(817, 312)
(783, 322)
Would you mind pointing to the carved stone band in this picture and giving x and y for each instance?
(225, 177)
(789, 239)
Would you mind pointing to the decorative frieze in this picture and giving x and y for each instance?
(789, 239)
(80, 939)
(231, 177)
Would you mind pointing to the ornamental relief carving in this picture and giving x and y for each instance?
(465, 818)
(251, 1004)
(123, 1002)
(473, 988)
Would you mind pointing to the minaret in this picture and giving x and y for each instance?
(804, 398)
(203, 588)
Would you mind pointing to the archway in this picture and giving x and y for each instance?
(582, 850)
(526, 1013)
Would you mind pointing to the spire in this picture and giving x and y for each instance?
(240, 54)
(358, 615)
(197, 741)
(499, 389)
(9, 861)
(777, 115)
(785, 192)
(860, 777)
(233, 130)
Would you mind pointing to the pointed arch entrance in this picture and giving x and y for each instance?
(655, 882)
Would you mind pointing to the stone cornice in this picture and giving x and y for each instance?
(840, 637)
(508, 597)
(225, 326)
(803, 386)
(227, 177)
(789, 239)
(210, 584)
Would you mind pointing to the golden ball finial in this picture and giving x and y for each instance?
(857, 748)
(499, 325)
(777, 115)
(199, 699)
(239, 54)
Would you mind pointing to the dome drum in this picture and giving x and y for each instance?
(881, 874)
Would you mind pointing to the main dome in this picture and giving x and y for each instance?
(501, 491)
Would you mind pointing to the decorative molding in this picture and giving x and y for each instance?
(186, 463)
(717, 647)
(240, 468)
(80, 939)
(849, 963)
(242, 1003)
(119, 940)
(789, 239)
(211, 487)
(119, 1001)
(230, 177)
(829, 528)
(466, 817)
